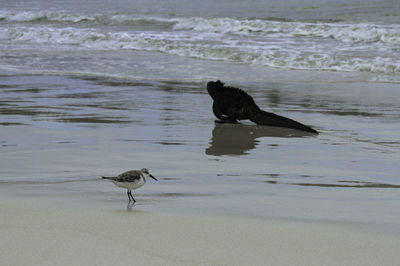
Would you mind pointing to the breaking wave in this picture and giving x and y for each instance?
(273, 43)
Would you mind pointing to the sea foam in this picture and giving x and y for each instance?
(336, 46)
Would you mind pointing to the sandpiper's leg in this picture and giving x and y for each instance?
(130, 193)
(129, 197)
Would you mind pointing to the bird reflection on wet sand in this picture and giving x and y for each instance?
(130, 205)
(239, 139)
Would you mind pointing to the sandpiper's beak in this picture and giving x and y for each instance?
(153, 177)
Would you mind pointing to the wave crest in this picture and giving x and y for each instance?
(273, 43)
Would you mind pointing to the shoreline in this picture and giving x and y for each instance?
(34, 234)
(213, 204)
(90, 90)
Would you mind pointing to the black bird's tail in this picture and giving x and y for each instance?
(270, 119)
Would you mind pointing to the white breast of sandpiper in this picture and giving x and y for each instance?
(131, 185)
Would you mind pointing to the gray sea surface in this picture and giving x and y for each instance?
(92, 88)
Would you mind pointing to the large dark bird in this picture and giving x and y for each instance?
(232, 104)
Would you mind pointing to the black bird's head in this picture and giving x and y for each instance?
(213, 87)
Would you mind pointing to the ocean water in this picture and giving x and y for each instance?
(91, 88)
(88, 36)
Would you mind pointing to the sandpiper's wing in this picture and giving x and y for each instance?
(129, 176)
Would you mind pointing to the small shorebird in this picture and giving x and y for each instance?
(132, 179)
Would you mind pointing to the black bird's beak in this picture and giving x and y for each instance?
(153, 177)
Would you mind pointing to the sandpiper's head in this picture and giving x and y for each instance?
(146, 172)
(213, 87)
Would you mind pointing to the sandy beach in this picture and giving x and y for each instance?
(32, 234)
(96, 88)
(226, 195)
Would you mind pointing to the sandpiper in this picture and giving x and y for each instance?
(132, 179)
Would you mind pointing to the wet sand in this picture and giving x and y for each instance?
(96, 88)
(286, 196)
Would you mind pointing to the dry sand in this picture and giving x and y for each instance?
(32, 234)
